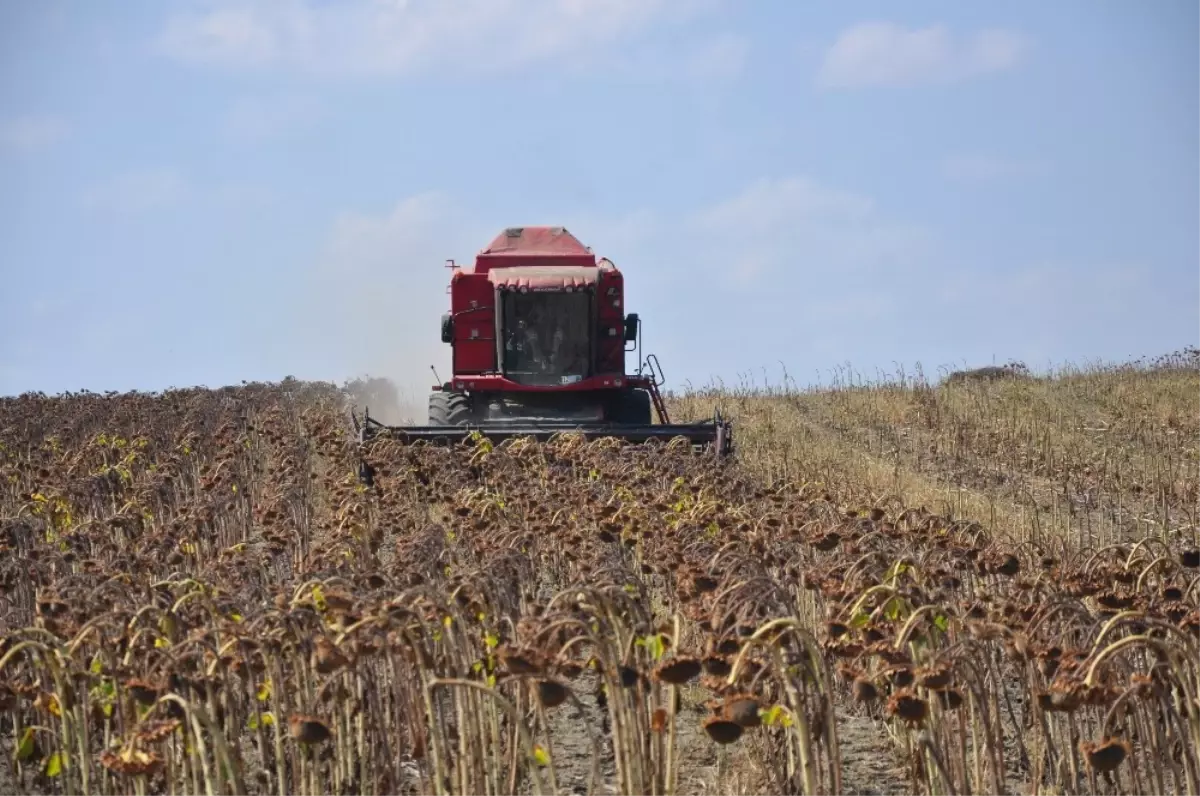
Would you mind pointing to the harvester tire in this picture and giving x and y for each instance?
(633, 408)
(449, 409)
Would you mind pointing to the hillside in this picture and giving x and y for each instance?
(898, 587)
(1092, 455)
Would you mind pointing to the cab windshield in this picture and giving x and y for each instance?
(545, 337)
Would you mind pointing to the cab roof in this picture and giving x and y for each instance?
(531, 246)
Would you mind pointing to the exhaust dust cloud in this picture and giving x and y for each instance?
(377, 294)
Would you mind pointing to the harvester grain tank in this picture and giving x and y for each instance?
(539, 339)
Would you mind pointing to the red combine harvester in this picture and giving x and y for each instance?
(539, 337)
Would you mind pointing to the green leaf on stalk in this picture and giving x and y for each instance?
(655, 646)
(24, 749)
(770, 716)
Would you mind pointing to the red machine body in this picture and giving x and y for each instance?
(539, 337)
(528, 262)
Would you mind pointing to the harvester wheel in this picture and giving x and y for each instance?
(448, 409)
(632, 408)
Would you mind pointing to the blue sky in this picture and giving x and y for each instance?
(207, 191)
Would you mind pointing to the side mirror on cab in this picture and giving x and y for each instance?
(631, 327)
(447, 328)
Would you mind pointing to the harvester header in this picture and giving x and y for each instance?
(539, 336)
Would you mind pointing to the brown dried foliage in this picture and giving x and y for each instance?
(198, 592)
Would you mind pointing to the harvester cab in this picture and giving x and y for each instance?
(539, 337)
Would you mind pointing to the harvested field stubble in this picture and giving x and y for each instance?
(1086, 455)
(197, 594)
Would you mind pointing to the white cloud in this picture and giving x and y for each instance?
(793, 269)
(886, 54)
(137, 192)
(722, 57)
(405, 36)
(373, 303)
(232, 36)
(31, 132)
(773, 223)
(265, 117)
(768, 203)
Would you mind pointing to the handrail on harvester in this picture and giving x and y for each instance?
(716, 434)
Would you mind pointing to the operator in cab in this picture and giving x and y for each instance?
(528, 342)
(523, 340)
